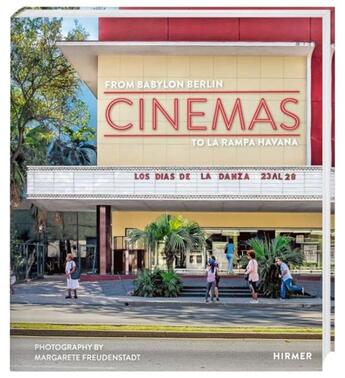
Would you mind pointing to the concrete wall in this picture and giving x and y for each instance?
(238, 73)
(122, 220)
(237, 29)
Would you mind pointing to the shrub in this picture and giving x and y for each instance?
(158, 283)
(172, 284)
(143, 285)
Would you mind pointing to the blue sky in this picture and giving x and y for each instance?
(91, 26)
(89, 23)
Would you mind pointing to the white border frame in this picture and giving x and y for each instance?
(308, 108)
(176, 13)
(326, 169)
(324, 14)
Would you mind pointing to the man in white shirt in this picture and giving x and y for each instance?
(287, 284)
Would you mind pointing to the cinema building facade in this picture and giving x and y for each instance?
(216, 119)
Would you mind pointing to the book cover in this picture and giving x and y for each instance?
(172, 189)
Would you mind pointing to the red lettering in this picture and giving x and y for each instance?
(141, 114)
(173, 121)
(237, 176)
(205, 176)
(184, 176)
(261, 115)
(165, 176)
(141, 176)
(108, 117)
(290, 114)
(191, 114)
(256, 117)
(237, 108)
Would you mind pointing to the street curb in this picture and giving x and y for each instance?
(164, 334)
(130, 302)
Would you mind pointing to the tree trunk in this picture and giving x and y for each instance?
(20, 142)
(15, 196)
(30, 263)
(62, 256)
(169, 255)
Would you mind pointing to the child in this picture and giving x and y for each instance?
(211, 281)
(212, 261)
(72, 284)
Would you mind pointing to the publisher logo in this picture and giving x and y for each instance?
(283, 356)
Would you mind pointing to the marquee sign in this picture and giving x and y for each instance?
(184, 182)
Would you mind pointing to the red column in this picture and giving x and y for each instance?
(104, 238)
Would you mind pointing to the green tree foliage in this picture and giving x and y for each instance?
(78, 33)
(71, 153)
(17, 260)
(44, 95)
(177, 233)
(73, 149)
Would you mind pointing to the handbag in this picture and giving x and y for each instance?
(76, 274)
(246, 277)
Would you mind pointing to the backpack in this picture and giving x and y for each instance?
(76, 274)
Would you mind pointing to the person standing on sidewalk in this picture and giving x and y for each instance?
(212, 261)
(287, 280)
(72, 284)
(229, 252)
(253, 275)
(210, 281)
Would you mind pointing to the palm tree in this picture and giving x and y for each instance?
(266, 252)
(176, 233)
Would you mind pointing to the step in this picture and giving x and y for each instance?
(192, 292)
(222, 295)
(222, 287)
(227, 292)
(239, 295)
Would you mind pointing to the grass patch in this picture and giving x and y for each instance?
(158, 328)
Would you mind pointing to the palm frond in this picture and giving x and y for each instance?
(178, 234)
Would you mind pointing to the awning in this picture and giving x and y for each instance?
(83, 55)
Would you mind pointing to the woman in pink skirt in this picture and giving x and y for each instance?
(253, 275)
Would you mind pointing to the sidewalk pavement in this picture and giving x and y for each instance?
(107, 302)
(108, 293)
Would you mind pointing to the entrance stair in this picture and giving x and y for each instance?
(225, 292)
